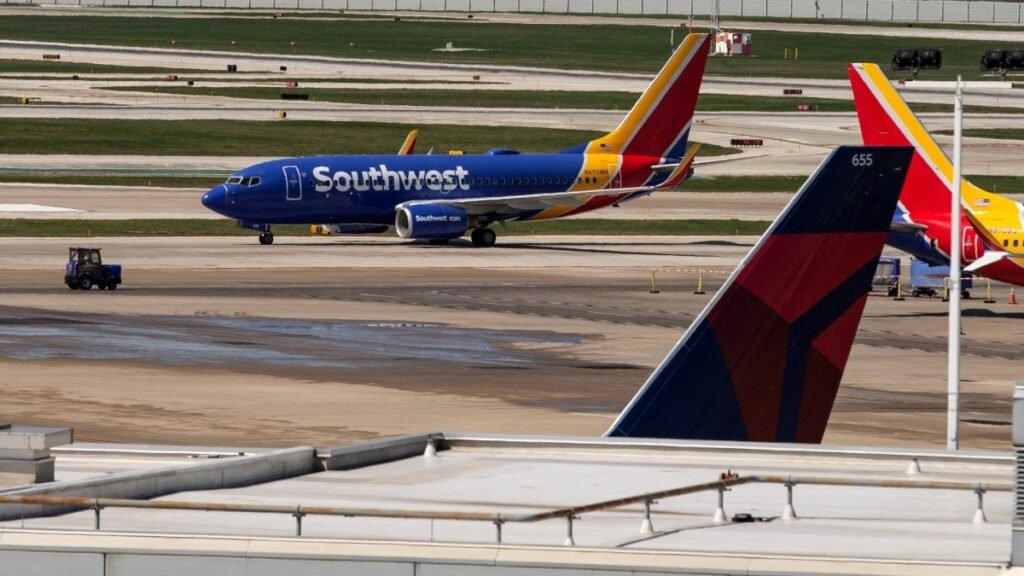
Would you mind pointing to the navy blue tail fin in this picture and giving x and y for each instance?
(763, 361)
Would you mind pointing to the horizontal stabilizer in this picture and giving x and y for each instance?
(989, 258)
(897, 226)
(764, 359)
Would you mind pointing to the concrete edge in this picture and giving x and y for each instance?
(144, 484)
(377, 451)
(484, 440)
(557, 559)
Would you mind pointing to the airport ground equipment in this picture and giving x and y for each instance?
(888, 274)
(916, 60)
(926, 279)
(85, 269)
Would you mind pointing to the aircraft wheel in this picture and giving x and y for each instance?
(266, 238)
(112, 285)
(85, 283)
(483, 237)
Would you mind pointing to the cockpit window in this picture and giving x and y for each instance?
(254, 181)
(235, 180)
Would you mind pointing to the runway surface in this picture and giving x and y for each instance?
(223, 340)
(59, 201)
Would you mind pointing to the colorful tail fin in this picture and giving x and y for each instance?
(409, 146)
(659, 123)
(763, 360)
(886, 120)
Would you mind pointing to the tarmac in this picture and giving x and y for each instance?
(326, 340)
(566, 328)
(75, 202)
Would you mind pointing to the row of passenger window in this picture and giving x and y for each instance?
(496, 181)
(1006, 243)
(523, 181)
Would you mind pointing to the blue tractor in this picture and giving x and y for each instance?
(85, 269)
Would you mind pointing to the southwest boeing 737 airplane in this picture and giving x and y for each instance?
(443, 197)
(992, 226)
(764, 359)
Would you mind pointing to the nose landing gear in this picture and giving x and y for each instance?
(266, 238)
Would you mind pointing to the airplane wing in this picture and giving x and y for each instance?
(986, 259)
(525, 202)
(478, 206)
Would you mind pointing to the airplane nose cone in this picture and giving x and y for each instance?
(216, 199)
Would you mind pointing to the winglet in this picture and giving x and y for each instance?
(763, 361)
(410, 143)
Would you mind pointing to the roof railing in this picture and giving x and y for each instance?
(723, 484)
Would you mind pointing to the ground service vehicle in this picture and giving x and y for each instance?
(928, 280)
(85, 269)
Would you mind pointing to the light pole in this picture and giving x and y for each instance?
(953, 411)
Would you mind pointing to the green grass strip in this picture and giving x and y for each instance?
(405, 97)
(999, 184)
(605, 48)
(284, 138)
(530, 99)
(8, 66)
(998, 133)
(737, 22)
(503, 98)
(96, 229)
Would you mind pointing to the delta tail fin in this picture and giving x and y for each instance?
(764, 359)
(658, 126)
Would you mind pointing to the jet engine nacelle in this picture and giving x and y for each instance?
(971, 245)
(431, 221)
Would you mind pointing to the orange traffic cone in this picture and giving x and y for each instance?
(1013, 297)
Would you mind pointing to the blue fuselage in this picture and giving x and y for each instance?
(366, 189)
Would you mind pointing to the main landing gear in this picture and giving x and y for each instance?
(483, 237)
(266, 238)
